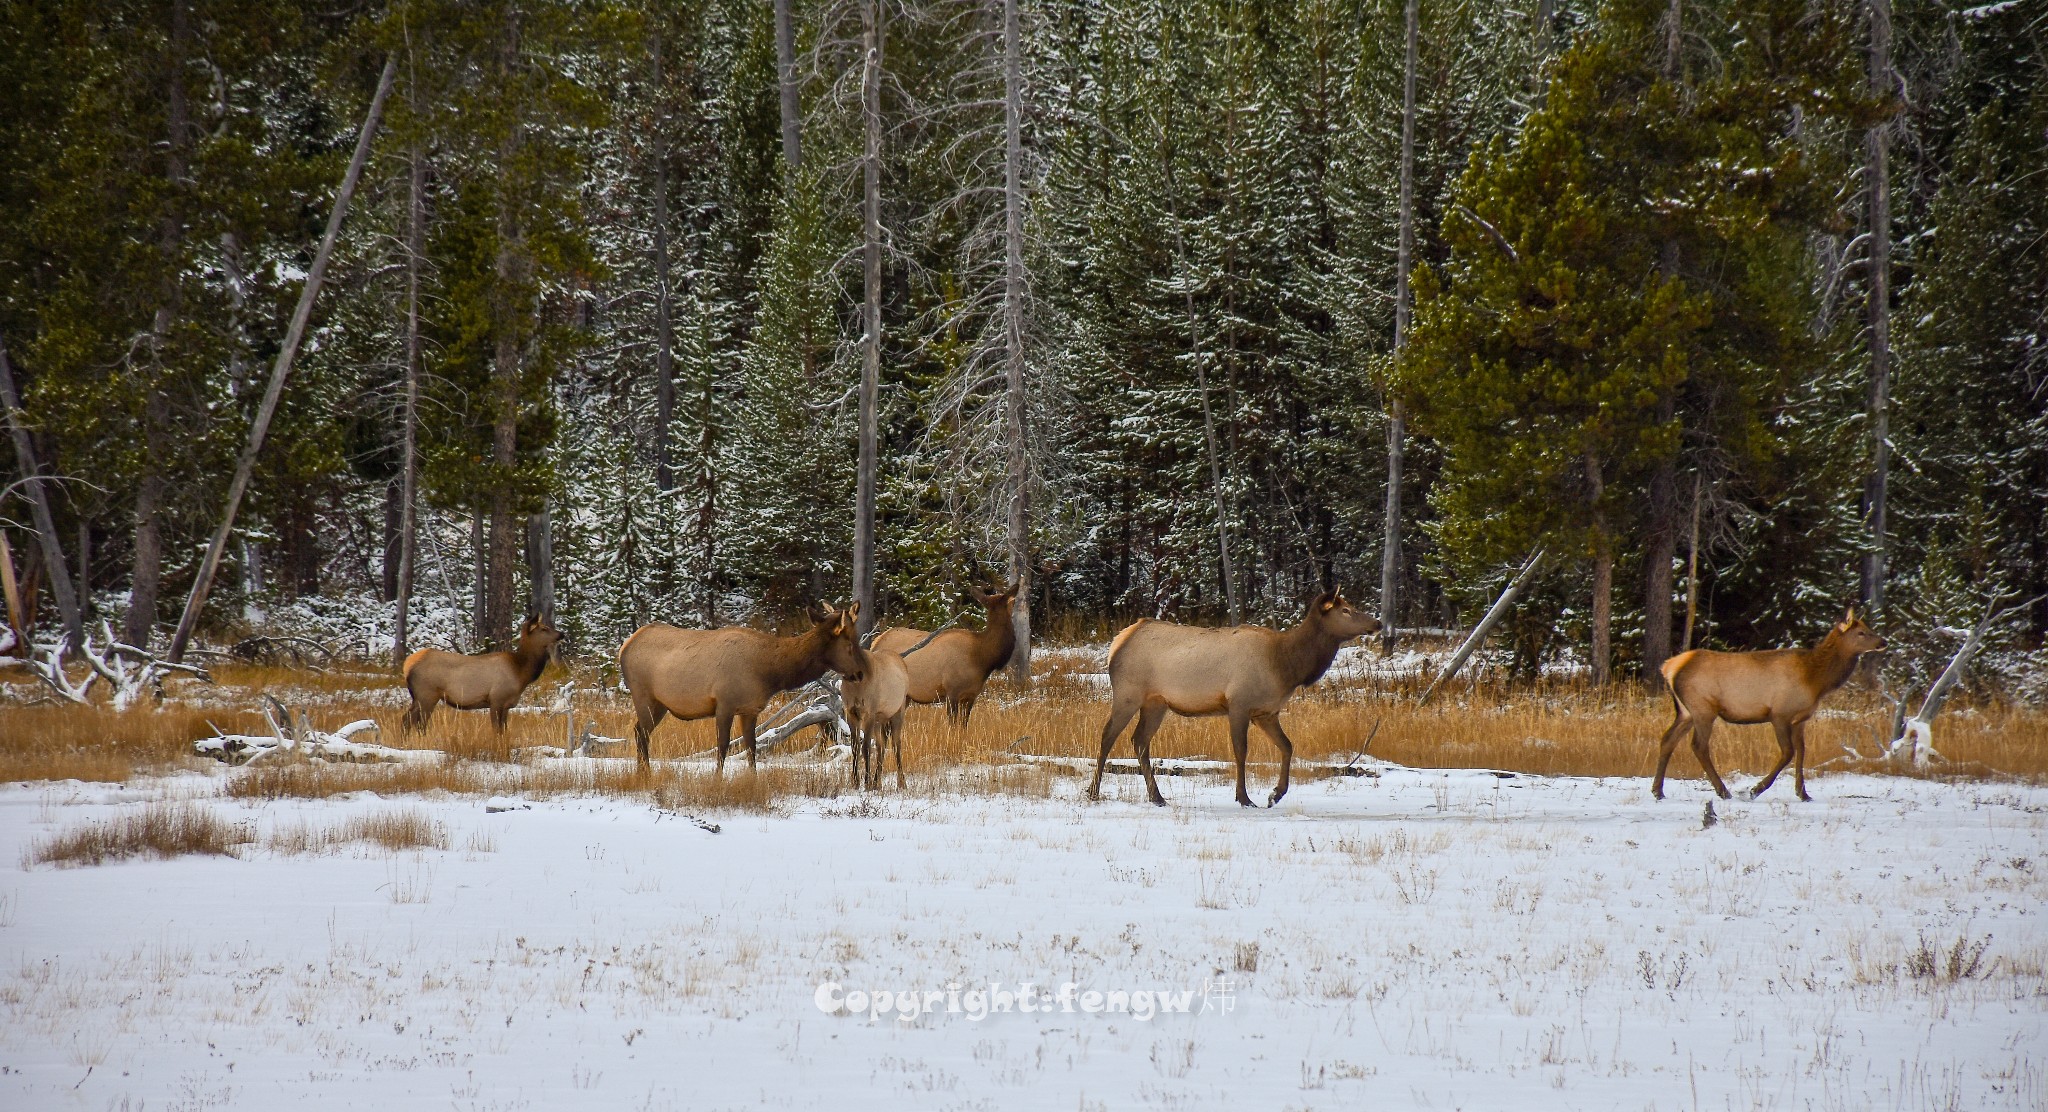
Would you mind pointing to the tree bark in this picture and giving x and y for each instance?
(1390, 545)
(1877, 180)
(540, 562)
(871, 315)
(1661, 543)
(664, 328)
(202, 582)
(785, 71)
(1013, 339)
(69, 608)
(508, 309)
(1692, 567)
(479, 618)
(1600, 655)
(409, 475)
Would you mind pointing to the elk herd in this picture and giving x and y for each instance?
(1244, 674)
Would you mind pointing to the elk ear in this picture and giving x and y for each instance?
(818, 613)
(851, 616)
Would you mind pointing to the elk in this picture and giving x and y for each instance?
(1779, 686)
(1245, 672)
(494, 680)
(874, 709)
(954, 666)
(730, 673)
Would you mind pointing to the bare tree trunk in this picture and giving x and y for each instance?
(1601, 654)
(540, 562)
(1662, 540)
(84, 572)
(664, 328)
(1013, 339)
(1692, 567)
(785, 70)
(479, 618)
(510, 272)
(871, 316)
(409, 475)
(1390, 546)
(1493, 615)
(145, 581)
(68, 607)
(1877, 179)
(202, 582)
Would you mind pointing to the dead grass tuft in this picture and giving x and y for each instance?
(158, 830)
(71, 742)
(395, 829)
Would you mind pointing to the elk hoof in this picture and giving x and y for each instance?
(1805, 798)
(1657, 794)
(1158, 801)
(1243, 802)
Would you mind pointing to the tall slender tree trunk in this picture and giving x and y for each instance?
(664, 328)
(145, 582)
(70, 609)
(871, 315)
(1390, 545)
(785, 71)
(1692, 566)
(409, 463)
(280, 371)
(1601, 653)
(1877, 179)
(509, 305)
(1661, 543)
(540, 562)
(479, 597)
(1014, 428)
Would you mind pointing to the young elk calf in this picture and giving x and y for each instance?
(953, 667)
(1245, 672)
(494, 680)
(874, 708)
(1780, 686)
(730, 673)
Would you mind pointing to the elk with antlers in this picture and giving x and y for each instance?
(730, 673)
(1244, 672)
(952, 667)
(1779, 686)
(493, 680)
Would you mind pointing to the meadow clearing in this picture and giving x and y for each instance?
(498, 926)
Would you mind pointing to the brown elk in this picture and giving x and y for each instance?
(874, 709)
(730, 673)
(1779, 686)
(493, 680)
(1245, 672)
(954, 666)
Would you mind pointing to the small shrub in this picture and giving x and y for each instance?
(158, 830)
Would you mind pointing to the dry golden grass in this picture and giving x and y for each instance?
(70, 742)
(395, 829)
(158, 830)
(1553, 728)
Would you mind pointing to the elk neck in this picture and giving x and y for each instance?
(800, 659)
(997, 640)
(1305, 651)
(528, 661)
(1829, 664)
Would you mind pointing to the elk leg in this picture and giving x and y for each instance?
(747, 722)
(1270, 726)
(1120, 715)
(896, 734)
(416, 718)
(853, 748)
(967, 709)
(724, 737)
(1240, 746)
(1148, 724)
(1679, 727)
(1702, 734)
(499, 717)
(644, 722)
(1799, 760)
(1784, 731)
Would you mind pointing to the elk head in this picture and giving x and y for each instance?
(1332, 613)
(841, 629)
(537, 636)
(996, 602)
(1855, 638)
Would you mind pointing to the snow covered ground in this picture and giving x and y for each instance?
(1423, 939)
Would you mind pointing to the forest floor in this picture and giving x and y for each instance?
(502, 929)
